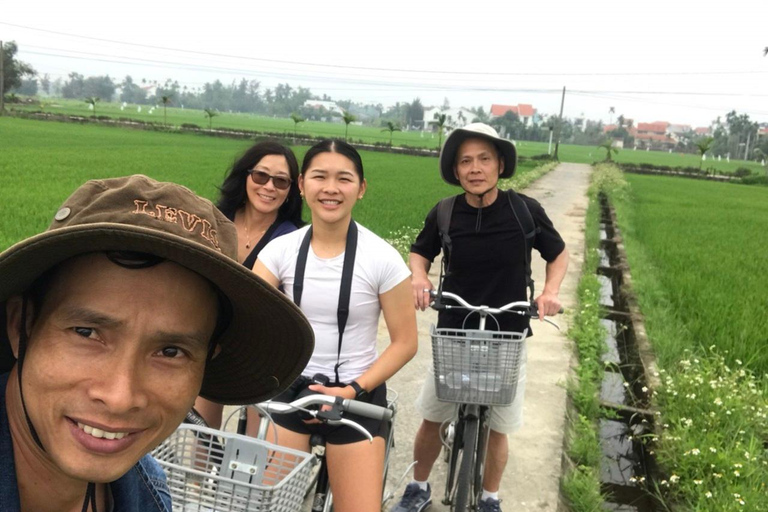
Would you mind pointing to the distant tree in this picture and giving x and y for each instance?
(414, 112)
(210, 114)
(93, 100)
(703, 145)
(481, 116)
(441, 120)
(509, 124)
(45, 83)
(391, 128)
(28, 87)
(132, 92)
(73, 87)
(611, 111)
(166, 99)
(607, 145)
(348, 118)
(101, 86)
(296, 120)
(14, 70)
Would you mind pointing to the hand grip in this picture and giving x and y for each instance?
(368, 410)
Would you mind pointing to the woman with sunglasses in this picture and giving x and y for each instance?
(260, 194)
(314, 265)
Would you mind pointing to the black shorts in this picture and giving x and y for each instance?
(333, 434)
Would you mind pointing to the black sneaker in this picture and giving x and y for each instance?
(414, 499)
(489, 505)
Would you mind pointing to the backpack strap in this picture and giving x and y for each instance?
(444, 212)
(528, 228)
(345, 293)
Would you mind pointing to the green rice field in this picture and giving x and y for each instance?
(41, 163)
(698, 249)
(697, 256)
(369, 134)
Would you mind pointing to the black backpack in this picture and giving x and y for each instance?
(522, 216)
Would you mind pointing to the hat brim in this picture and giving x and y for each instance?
(451, 146)
(263, 350)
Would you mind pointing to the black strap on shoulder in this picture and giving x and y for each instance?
(522, 216)
(265, 239)
(345, 293)
(444, 212)
(528, 228)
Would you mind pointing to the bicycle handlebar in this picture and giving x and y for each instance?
(344, 404)
(523, 307)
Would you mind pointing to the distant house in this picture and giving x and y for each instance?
(526, 113)
(703, 131)
(329, 106)
(653, 135)
(762, 132)
(454, 117)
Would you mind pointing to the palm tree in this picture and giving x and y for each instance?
(607, 145)
(611, 111)
(210, 114)
(441, 118)
(348, 118)
(166, 100)
(296, 120)
(93, 100)
(703, 145)
(391, 128)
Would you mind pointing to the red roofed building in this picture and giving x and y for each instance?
(653, 135)
(703, 131)
(523, 111)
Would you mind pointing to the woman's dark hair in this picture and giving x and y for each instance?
(334, 146)
(233, 194)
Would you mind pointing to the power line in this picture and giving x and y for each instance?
(395, 70)
(378, 83)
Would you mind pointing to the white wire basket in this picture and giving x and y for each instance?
(210, 470)
(477, 367)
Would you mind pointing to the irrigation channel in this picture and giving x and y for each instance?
(627, 467)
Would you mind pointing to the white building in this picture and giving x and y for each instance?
(455, 117)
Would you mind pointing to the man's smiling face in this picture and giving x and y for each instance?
(114, 360)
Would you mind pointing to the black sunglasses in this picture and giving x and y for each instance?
(261, 178)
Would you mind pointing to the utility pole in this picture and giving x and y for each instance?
(2, 81)
(559, 124)
(746, 148)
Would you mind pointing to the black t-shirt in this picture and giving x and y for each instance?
(488, 263)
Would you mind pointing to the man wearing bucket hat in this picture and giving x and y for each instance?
(486, 236)
(112, 321)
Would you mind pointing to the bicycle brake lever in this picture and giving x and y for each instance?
(350, 423)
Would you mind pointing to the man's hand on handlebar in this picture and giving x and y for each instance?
(421, 287)
(548, 304)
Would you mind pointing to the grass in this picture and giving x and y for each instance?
(41, 163)
(370, 134)
(581, 485)
(696, 253)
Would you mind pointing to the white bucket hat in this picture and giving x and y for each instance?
(475, 130)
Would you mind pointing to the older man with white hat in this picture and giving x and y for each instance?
(486, 236)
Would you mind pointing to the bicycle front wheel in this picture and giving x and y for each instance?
(464, 481)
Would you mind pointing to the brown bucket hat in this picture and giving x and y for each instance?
(268, 340)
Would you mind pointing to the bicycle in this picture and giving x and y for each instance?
(477, 369)
(212, 470)
(323, 498)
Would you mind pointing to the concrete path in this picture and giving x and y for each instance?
(531, 480)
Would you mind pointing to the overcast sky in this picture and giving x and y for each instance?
(617, 54)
